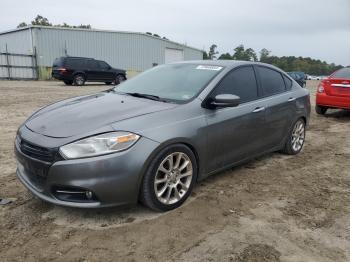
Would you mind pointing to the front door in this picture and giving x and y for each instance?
(235, 134)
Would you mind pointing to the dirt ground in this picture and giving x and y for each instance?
(275, 208)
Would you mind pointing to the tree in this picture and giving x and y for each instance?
(205, 56)
(212, 52)
(23, 24)
(43, 21)
(264, 54)
(244, 54)
(226, 56)
(251, 55)
(40, 20)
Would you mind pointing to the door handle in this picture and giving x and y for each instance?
(291, 99)
(259, 109)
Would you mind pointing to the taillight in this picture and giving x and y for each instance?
(320, 88)
(62, 70)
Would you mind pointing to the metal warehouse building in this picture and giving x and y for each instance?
(28, 53)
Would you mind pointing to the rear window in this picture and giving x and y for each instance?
(75, 63)
(342, 73)
(271, 81)
(92, 64)
(288, 82)
(58, 62)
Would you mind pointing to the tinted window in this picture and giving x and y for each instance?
(103, 65)
(92, 64)
(342, 73)
(240, 82)
(58, 62)
(287, 82)
(271, 81)
(74, 63)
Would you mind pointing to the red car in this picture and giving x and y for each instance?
(334, 91)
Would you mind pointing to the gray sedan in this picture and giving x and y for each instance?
(154, 136)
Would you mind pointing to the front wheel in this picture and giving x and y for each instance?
(119, 79)
(321, 110)
(169, 179)
(296, 138)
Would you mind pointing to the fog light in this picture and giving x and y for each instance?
(88, 194)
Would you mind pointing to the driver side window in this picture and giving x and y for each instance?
(240, 82)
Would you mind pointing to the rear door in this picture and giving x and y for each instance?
(234, 133)
(280, 105)
(92, 69)
(338, 84)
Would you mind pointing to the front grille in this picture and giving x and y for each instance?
(36, 161)
(37, 152)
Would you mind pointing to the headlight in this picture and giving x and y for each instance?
(99, 145)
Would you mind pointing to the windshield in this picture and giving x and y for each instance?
(175, 82)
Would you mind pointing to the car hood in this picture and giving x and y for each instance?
(88, 113)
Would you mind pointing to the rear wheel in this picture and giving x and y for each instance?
(79, 80)
(296, 138)
(169, 179)
(321, 110)
(68, 83)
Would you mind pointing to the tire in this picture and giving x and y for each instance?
(119, 79)
(68, 83)
(321, 110)
(296, 138)
(108, 83)
(79, 80)
(158, 181)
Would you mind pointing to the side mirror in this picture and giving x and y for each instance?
(225, 100)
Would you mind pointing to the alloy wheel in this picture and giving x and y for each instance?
(79, 80)
(298, 135)
(173, 178)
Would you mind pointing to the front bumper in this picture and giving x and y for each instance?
(322, 99)
(114, 179)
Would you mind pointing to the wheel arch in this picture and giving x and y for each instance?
(162, 146)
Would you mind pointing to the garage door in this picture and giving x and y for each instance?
(173, 55)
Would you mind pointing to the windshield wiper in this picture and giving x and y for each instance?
(147, 96)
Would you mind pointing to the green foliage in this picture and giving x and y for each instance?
(23, 24)
(40, 20)
(205, 55)
(244, 54)
(43, 21)
(287, 63)
(226, 56)
(212, 52)
(305, 64)
(264, 54)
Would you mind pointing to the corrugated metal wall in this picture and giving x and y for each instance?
(18, 42)
(130, 51)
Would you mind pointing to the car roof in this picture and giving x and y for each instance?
(74, 57)
(227, 63)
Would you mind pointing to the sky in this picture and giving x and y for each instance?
(318, 29)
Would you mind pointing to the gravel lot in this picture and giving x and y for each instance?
(275, 208)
